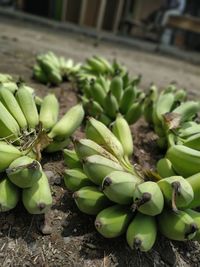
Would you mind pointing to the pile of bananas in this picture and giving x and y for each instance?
(103, 99)
(51, 69)
(107, 185)
(28, 128)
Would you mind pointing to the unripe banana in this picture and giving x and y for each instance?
(134, 112)
(180, 95)
(119, 186)
(148, 199)
(113, 221)
(37, 199)
(68, 123)
(162, 106)
(105, 63)
(90, 200)
(194, 181)
(75, 179)
(116, 87)
(9, 195)
(8, 100)
(104, 119)
(122, 131)
(8, 125)
(5, 78)
(86, 147)
(193, 141)
(54, 77)
(98, 93)
(71, 159)
(11, 86)
(189, 128)
(24, 172)
(177, 191)
(8, 153)
(49, 111)
(99, 133)
(196, 217)
(97, 167)
(28, 106)
(185, 160)
(57, 145)
(111, 105)
(93, 108)
(127, 99)
(177, 225)
(187, 110)
(164, 168)
(96, 65)
(141, 233)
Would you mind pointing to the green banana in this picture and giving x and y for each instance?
(195, 215)
(134, 112)
(111, 105)
(113, 221)
(93, 108)
(5, 78)
(119, 186)
(189, 128)
(75, 179)
(141, 233)
(98, 93)
(116, 88)
(71, 159)
(11, 86)
(98, 132)
(177, 191)
(180, 95)
(122, 131)
(148, 199)
(28, 106)
(127, 100)
(96, 65)
(68, 123)
(104, 119)
(90, 200)
(9, 195)
(193, 142)
(8, 100)
(86, 147)
(57, 145)
(177, 225)
(49, 111)
(8, 125)
(162, 106)
(185, 160)
(37, 199)
(195, 184)
(24, 172)
(187, 110)
(97, 167)
(8, 153)
(164, 168)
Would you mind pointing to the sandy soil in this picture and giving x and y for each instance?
(73, 240)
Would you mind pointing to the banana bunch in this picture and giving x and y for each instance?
(51, 69)
(104, 99)
(171, 116)
(30, 125)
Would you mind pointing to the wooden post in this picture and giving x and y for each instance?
(64, 10)
(83, 11)
(118, 16)
(100, 16)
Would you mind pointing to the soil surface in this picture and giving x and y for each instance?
(71, 239)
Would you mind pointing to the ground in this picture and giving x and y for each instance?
(73, 240)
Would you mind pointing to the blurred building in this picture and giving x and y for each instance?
(118, 17)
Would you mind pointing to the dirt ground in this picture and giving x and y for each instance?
(73, 240)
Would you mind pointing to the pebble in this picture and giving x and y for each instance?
(66, 240)
(53, 178)
(46, 229)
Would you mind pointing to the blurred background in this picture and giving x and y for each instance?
(174, 22)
